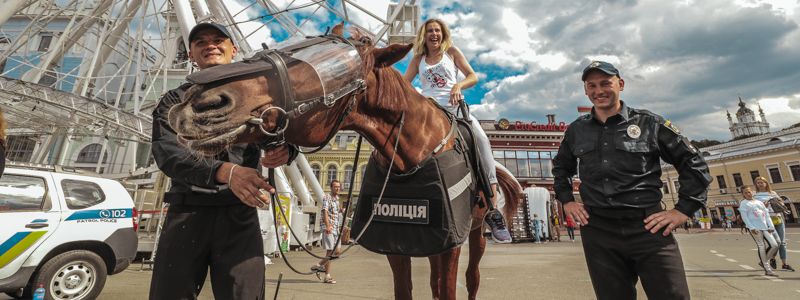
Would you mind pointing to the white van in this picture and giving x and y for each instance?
(64, 231)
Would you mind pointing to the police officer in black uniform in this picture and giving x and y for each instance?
(211, 223)
(617, 150)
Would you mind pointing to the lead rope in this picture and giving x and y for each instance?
(276, 208)
(385, 182)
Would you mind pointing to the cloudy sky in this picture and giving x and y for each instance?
(686, 60)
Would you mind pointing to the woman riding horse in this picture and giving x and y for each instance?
(438, 62)
(242, 106)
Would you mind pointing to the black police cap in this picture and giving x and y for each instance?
(200, 26)
(601, 66)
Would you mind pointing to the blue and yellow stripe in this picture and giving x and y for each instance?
(16, 244)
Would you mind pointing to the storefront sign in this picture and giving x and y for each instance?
(504, 124)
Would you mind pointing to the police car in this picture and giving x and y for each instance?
(64, 231)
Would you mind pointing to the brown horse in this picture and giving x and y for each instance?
(218, 114)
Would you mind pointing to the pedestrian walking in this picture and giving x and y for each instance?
(536, 225)
(211, 225)
(627, 234)
(773, 202)
(756, 218)
(570, 228)
(330, 220)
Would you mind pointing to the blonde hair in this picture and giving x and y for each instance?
(769, 187)
(419, 45)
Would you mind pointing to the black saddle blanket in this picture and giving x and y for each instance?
(420, 214)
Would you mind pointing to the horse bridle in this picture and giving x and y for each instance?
(273, 63)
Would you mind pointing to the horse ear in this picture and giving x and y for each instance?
(385, 57)
(338, 29)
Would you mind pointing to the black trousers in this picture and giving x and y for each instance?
(225, 240)
(619, 251)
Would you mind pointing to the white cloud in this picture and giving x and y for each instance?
(687, 60)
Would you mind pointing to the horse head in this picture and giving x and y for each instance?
(251, 101)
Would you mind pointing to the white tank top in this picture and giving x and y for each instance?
(437, 80)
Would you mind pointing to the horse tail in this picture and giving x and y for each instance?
(512, 192)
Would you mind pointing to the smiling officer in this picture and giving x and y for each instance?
(212, 224)
(618, 151)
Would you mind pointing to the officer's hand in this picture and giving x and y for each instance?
(328, 230)
(577, 212)
(275, 157)
(248, 185)
(670, 218)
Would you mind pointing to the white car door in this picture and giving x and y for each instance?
(28, 215)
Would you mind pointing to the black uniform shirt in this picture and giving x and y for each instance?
(193, 178)
(619, 162)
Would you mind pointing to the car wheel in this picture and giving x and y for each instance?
(77, 274)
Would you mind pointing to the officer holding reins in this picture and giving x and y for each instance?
(618, 150)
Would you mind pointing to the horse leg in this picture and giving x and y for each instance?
(401, 273)
(448, 271)
(436, 265)
(477, 246)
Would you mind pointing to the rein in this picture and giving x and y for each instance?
(276, 207)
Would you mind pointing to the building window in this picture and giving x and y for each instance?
(315, 168)
(332, 172)
(795, 170)
(774, 173)
(20, 148)
(664, 187)
(522, 164)
(546, 160)
(721, 182)
(91, 154)
(677, 185)
(737, 180)
(44, 43)
(753, 175)
(348, 172)
(511, 161)
(535, 164)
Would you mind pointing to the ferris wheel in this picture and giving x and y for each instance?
(74, 69)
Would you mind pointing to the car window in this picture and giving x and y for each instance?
(21, 193)
(82, 194)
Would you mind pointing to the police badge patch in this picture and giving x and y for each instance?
(634, 131)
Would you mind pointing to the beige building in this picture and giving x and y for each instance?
(775, 156)
(335, 161)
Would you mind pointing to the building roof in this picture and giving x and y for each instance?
(785, 134)
(770, 145)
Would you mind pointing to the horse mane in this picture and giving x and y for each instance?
(2, 126)
(393, 91)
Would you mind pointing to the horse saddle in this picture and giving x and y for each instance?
(422, 213)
